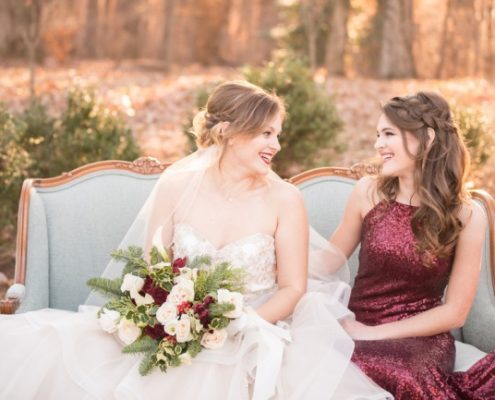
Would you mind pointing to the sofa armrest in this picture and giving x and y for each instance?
(9, 306)
(13, 299)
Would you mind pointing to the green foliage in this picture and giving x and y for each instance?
(144, 344)
(147, 364)
(90, 131)
(477, 134)
(15, 164)
(133, 258)
(34, 144)
(108, 287)
(222, 276)
(312, 123)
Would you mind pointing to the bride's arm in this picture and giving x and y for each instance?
(291, 246)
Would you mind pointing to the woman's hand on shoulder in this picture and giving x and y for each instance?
(363, 197)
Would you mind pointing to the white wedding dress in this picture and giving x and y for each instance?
(53, 354)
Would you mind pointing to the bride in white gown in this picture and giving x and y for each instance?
(225, 202)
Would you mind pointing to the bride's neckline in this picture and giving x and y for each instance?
(223, 247)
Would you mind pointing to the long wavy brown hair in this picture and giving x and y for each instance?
(440, 173)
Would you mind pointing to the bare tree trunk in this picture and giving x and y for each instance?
(91, 29)
(489, 51)
(169, 20)
(337, 38)
(29, 15)
(396, 57)
(312, 14)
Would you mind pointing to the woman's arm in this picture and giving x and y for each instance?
(348, 234)
(459, 296)
(291, 247)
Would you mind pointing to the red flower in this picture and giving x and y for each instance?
(183, 307)
(198, 308)
(178, 264)
(208, 300)
(204, 318)
(156, 332)
(171, 339)
(159, 295)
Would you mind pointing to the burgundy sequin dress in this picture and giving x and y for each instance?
(393, 284)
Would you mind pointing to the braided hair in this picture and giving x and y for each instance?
(440, 173)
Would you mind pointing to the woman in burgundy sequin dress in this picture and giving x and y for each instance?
(419, 232)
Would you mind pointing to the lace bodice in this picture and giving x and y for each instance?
(255, 253)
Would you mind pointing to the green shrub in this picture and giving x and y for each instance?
(34, 144)
(312, 123)
(89, 131)
(311, 126)
(477, 134)
(15, 164)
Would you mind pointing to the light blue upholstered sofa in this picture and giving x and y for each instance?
(68, 225)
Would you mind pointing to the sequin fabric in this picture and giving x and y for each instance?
(393, 284)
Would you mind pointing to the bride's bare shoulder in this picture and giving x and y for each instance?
(285, 193)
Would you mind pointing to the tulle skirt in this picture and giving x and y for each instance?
(54, 354)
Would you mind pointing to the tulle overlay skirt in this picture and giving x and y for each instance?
(53, 354)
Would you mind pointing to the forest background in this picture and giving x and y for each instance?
(87, 80)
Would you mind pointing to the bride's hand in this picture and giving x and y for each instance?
(358, 330)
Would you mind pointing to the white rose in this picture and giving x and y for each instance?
(185, 359)
(166, 312)
(214, 340)
(170, 327)
(235, 298)
(109, 320)
(183, 330)
(132, 283)
(128, 332)
(182, 291)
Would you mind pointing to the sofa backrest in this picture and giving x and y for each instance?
(325, 192)
(69, 225)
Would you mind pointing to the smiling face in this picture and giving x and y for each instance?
(396, 150)
(254, 153)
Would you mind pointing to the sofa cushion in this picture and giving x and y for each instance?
(466, 355)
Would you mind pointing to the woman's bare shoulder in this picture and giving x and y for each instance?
(285, 192)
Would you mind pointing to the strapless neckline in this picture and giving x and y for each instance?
(192, 230)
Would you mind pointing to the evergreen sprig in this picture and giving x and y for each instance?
(147, 364)
(144, 344)
(222, 276)
(108, 287)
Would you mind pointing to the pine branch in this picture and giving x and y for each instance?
(147, 364)
(144, 344)
(108, 287)
(199, 261)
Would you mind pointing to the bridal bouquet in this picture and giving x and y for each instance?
(169, 310)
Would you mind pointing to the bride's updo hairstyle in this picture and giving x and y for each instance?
(246, 107)
(441, 168)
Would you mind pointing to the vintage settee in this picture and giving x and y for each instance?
(69, 224)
